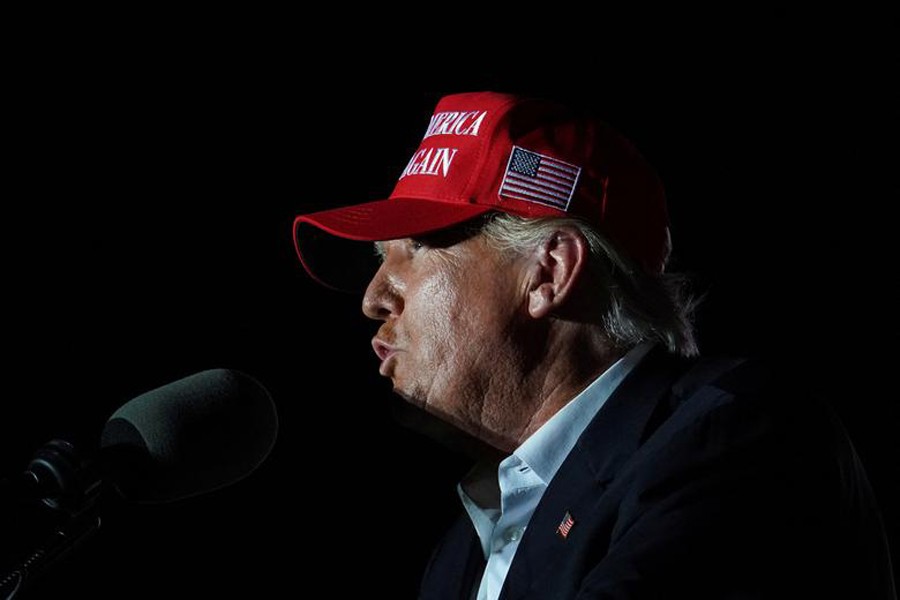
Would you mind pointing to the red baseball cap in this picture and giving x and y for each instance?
(486, 151)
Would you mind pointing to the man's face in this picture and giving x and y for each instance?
(452, 325)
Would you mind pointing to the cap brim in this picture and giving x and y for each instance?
(341, 261)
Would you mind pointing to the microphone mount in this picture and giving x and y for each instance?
(61, 480)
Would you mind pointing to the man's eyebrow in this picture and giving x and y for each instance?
(379, 250)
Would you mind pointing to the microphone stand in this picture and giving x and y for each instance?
(66, 537)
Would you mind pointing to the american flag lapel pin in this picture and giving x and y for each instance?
(566, 526)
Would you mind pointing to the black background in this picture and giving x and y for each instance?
(151, 179)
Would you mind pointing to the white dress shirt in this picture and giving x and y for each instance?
(525, 474)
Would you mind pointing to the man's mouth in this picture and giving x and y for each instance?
(385, 353)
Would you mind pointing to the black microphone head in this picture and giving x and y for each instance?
(191, 436)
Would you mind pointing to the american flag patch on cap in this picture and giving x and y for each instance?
(538, 178)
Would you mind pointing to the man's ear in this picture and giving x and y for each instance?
(558, 265)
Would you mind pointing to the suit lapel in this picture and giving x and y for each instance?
(611, 438)
(456, 566)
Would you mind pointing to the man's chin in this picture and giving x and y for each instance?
(408, 398)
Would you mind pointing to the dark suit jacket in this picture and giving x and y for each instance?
(697, 479)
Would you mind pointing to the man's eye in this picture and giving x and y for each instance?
(416, 245)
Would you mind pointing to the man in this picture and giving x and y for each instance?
(523, 299)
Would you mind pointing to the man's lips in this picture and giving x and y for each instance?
(384, 351)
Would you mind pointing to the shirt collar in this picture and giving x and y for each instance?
(546, 449)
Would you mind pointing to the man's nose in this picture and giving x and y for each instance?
(382, 299)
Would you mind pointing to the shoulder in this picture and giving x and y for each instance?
(758, 416)
(712, 403)
(765, 388)
(750, 446)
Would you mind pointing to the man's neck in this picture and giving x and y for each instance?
(565, 379)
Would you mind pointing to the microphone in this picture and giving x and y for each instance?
(186, 438)
(189, 437)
